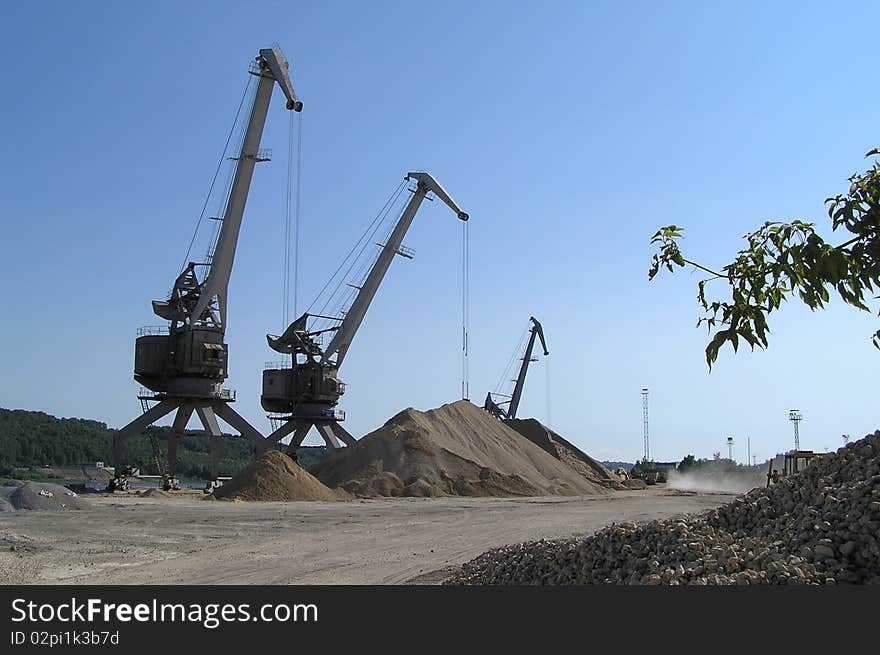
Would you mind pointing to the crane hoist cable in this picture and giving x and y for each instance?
(296, 213)
(547, 390)
(285, 276)
(216, 173)
(292, 209)
(465, 297)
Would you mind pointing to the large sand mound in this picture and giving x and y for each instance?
(16, 495)
(274, 476)
(563, 450)
(457, 449)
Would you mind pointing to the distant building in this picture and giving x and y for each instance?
(665, 466)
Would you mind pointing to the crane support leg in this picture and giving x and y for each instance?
(298, 437)
(236, 420)
(279, 434)
(329, 437)
(212, 428)
(216, 452)
(184, 412)
(343, 434)
(136, 427)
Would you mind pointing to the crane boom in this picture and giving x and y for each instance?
(272, 67)
(342, 339)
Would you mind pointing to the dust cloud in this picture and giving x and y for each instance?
(730, 482)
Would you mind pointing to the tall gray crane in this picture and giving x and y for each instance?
(184, 365)
(496, 408)
(308, 390)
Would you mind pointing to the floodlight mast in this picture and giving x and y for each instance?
(495, 408)
(308, 391)
(185, 365)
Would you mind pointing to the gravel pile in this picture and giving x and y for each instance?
(821, 527)
(24, 496)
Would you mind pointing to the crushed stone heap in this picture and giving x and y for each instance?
(16, 495)
(563, 450)
(457, 449)
(274, 476)
(820, 527)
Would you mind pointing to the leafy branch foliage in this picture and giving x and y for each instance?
(782, 259)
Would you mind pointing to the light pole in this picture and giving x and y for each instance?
(796, 417)
(645, 423)
(730, 448)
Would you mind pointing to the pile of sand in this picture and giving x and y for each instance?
(274, 476)
(17, 495)
(457, 449)
(565, 451)
(156, 493)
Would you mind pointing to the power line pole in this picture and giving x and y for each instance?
(748, 450)
(796, 417)
(645, 421)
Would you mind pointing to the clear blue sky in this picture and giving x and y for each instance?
(570, 131)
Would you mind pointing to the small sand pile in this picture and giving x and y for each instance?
(274, 476)
(819, 527)
(22, 496)
(156, 493)
(565, 451)
(457, 450)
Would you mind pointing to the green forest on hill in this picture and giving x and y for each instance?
(35, 439)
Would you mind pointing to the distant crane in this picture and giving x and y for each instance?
(307, 390)
(184, 364)
(496, 408)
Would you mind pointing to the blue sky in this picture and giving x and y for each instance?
(570, 131)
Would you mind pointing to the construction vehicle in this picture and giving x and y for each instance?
(183, 365)
(793, 462)
(492, 403)
(169, 483)
(304, 391)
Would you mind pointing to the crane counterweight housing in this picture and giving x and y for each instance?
(307, 389)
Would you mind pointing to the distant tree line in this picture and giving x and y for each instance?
(35, 439)
(716, 465)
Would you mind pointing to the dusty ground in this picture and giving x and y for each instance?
(188, 540)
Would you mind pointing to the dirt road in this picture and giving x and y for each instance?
(188, 540)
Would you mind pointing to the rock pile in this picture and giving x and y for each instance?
(16, 495)
(821, 527)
